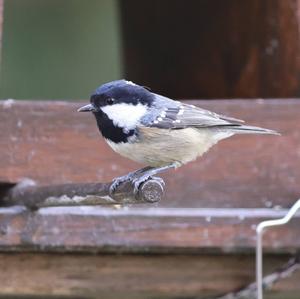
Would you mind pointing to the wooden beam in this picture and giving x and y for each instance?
(152, 230)
(133, 276)
(51, 143)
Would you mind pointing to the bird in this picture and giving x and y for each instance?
(156, 131)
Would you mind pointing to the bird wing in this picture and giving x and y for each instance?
(169, 114)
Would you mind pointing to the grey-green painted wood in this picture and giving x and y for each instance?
(59, 49)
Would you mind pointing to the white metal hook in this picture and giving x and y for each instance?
(259, 231)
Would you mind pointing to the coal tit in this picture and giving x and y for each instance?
(155, 130)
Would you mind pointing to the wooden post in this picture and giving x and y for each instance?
(213, 49)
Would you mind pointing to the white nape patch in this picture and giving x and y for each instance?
(125, 115)
(130, 83)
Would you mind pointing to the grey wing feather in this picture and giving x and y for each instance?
(169, 114)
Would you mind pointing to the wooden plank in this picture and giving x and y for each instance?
(227, 48)
(132, 276)
(156, 230)
(50, 142)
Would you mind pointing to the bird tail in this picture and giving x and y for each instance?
(252, 130)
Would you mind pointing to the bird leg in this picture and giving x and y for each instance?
(139, 176)
(148, 173)
(128, 177)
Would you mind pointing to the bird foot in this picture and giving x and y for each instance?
(135, 178)
(118, 181)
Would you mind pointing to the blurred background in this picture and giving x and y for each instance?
(201, 236)
(56, 49)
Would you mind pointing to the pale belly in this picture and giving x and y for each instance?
(159, 147)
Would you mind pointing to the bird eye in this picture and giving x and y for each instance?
(109, 101)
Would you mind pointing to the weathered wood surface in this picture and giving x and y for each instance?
(155, 230)
(133, 276)
(27, 194)
(51, 143)
(213, 49)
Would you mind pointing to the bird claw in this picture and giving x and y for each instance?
(118, 181)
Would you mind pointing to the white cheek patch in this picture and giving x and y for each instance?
(125, 115)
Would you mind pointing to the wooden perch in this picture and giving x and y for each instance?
(249, 292)
(28, 194)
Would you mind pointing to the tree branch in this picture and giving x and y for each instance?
(249, 292)
(32, 196)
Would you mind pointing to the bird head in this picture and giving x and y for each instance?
(116, 93)
(123, 102)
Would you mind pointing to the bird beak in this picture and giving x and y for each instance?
(87, 108)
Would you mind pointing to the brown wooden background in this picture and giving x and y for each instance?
(213, 49)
